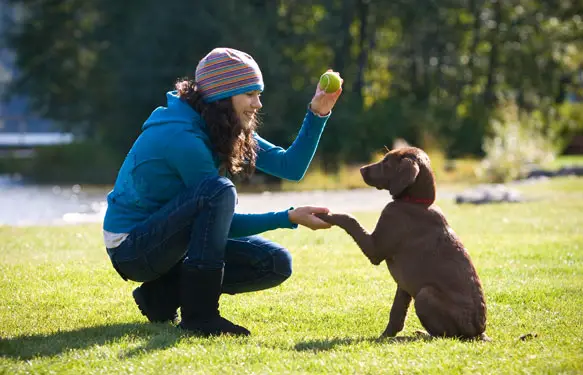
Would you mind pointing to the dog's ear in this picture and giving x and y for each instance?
(404, 175)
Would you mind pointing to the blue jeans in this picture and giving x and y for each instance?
(193, 229)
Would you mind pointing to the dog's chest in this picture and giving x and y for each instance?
(403, 277)
(414, 257)
(399, 267)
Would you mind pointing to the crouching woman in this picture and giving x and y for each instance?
(171, 221)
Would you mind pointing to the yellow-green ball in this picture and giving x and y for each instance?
(330, 82)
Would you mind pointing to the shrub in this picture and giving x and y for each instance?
(518, 140)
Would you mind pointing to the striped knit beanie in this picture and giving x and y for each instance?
(225, 72)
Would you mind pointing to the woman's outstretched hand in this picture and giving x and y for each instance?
(305, 216)
(322, 102)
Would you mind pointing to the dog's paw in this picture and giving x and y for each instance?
(388, 333)
(336, 219)
(421, 334)
(324, 217)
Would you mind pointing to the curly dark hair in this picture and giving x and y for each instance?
(233, 143)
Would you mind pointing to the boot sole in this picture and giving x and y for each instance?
(200, 333)
(235, 330)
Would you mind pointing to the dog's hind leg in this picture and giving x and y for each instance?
(434, 313)
(398, 313)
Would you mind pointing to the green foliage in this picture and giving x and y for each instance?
(569, 121)
(411, 69)
(65, 310)
(13, 165)
(519, 141)
(77, 163)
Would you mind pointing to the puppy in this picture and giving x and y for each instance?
(424, 255)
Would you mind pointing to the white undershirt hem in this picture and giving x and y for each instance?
(113, 240)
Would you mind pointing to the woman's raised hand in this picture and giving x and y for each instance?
(323, 102)
(305, 216)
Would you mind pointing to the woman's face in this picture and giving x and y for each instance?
(246, 106)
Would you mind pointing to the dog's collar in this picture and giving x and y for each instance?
(410, 199)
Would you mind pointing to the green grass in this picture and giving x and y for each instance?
(566, 161)
(64, 310)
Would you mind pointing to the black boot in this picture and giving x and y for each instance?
(199, 303)
(159, 299)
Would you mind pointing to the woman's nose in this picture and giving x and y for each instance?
(257, 103)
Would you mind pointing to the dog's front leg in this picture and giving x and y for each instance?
(360, 235)
(398, 313)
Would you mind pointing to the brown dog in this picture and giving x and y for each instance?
(423, 254)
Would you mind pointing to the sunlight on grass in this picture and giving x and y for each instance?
(347, 177)
(566, 161)
(460, 171)
(64, 310)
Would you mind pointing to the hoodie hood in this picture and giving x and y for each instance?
(177, 111)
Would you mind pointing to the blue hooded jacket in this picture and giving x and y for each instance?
(173, 153)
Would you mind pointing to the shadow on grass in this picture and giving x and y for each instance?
(158, 336)
(329, 344)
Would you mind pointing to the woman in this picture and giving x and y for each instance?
(170, 221)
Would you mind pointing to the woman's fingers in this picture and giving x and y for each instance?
(323, 102)
(316, 223)
(317, 210)
(306, 216)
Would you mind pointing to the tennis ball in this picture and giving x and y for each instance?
(330, 82)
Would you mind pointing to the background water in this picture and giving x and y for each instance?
(25, 204)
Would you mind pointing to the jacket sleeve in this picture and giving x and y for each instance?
(249, 224)
(191, 158)
(292, 164)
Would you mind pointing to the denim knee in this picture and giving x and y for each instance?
(219, 190)
(265, 265)
(282, 268)
(216, 200)
(282, 262)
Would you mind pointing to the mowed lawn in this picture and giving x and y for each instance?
(64, 310)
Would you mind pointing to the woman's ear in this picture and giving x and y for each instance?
(405, 174)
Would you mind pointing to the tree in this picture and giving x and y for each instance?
(416, 69)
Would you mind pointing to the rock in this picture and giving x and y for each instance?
(537, 173)
(565, 171)
(570, 171)
(488, 194)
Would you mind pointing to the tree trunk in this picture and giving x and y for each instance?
(476, 9)
(363, 14)
(489, 95)
(342, 50)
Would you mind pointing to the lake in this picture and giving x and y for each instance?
(24, 204)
